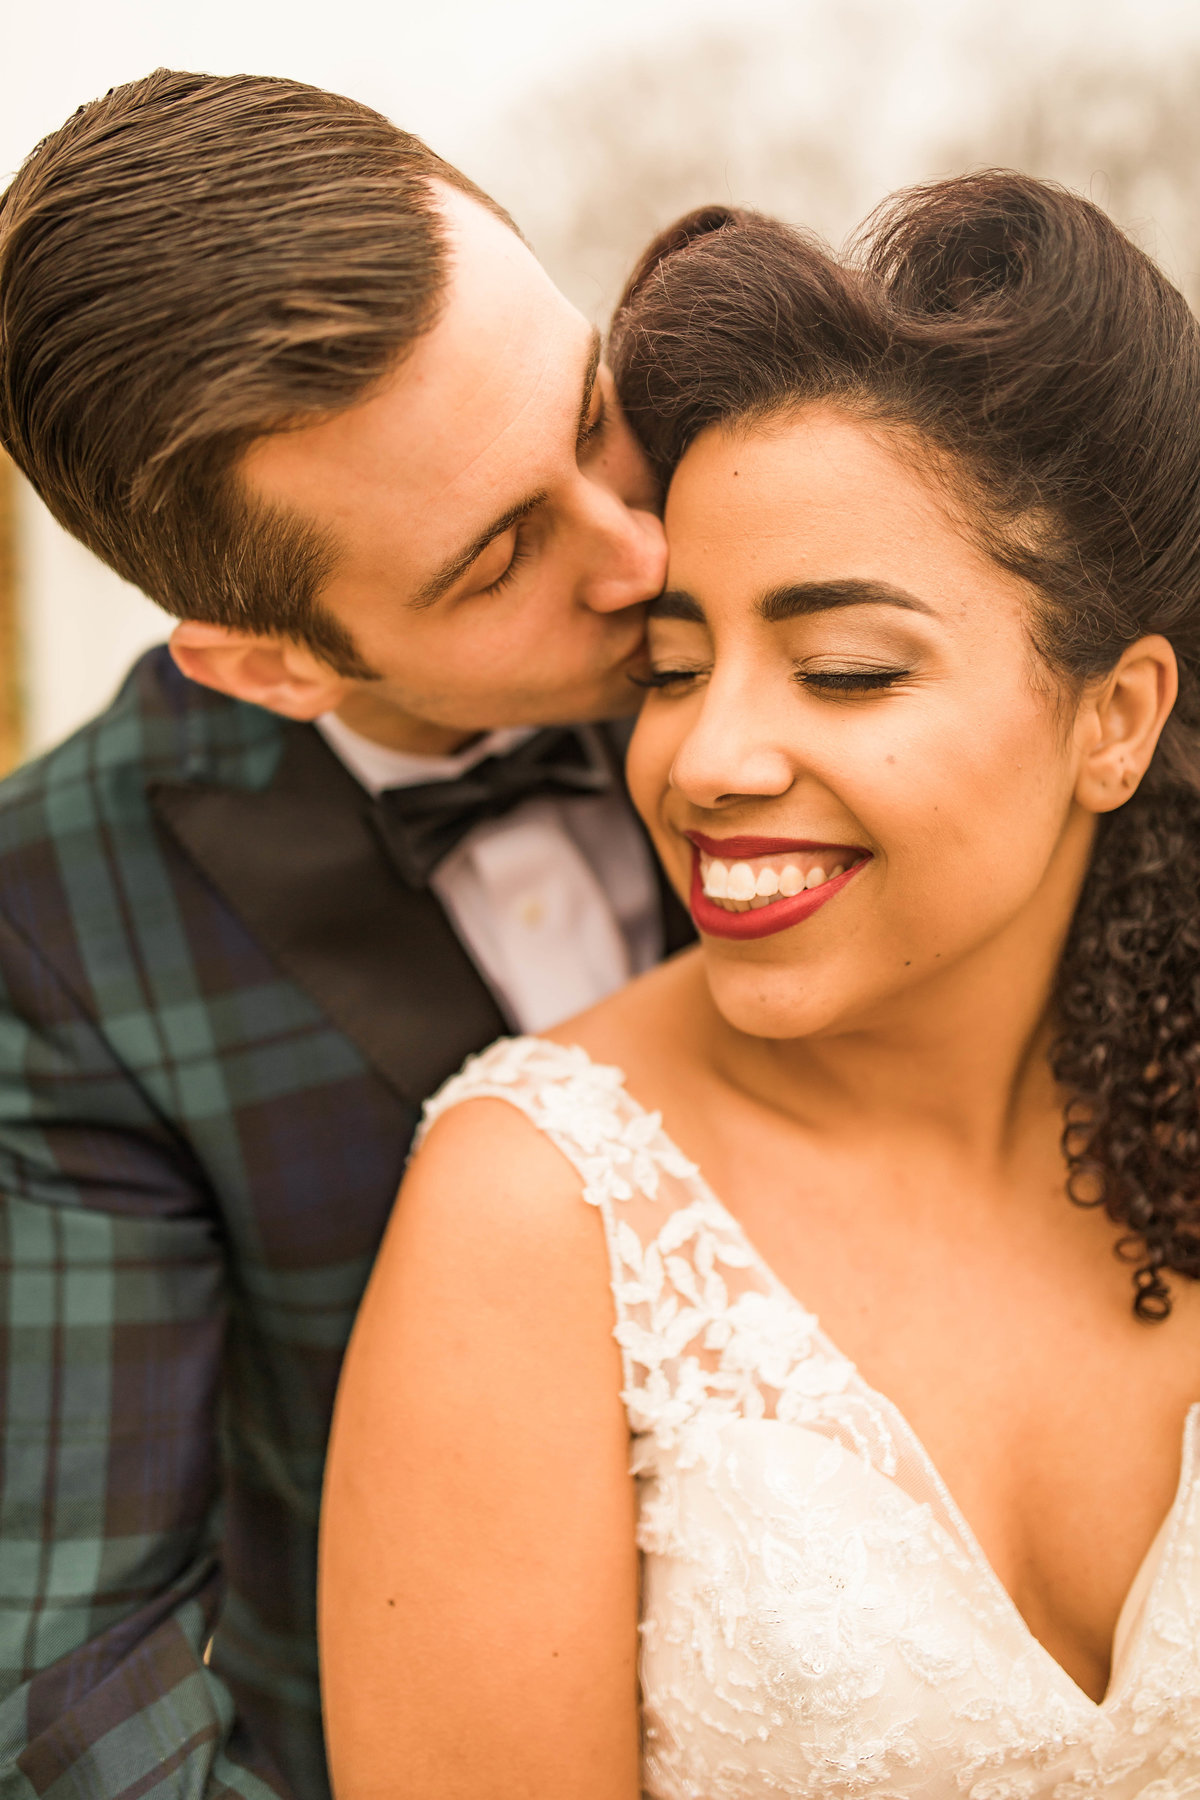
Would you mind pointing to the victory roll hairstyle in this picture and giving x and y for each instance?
(187, 264)
(1048, 375)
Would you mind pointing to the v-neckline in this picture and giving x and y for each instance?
(1165, 1536)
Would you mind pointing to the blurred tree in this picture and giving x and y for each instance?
(816, 115)
(593, 168)
(1126, 133)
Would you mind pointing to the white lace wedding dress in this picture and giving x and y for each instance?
(817, 1617)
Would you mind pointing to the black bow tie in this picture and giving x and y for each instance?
(421, 825)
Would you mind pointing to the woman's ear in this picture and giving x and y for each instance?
(1119, 722)
(274, 673)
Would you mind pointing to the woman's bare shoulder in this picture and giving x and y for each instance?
(493, 1271)
(480, 1568)
(485, 1168)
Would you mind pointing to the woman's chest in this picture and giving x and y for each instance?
(816, 1625)
(1006, 1341)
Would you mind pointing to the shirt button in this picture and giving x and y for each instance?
(531, 912)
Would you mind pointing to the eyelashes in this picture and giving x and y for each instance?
(520, 556)
(821, 681)
(851, 681)
(663, 678)
(589, 438)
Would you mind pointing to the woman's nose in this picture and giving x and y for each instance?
(732, 753)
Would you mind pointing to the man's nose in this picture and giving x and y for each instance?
(631, 559)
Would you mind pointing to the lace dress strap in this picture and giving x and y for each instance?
(625, 1161)
(706, 1331)
(618, 1148)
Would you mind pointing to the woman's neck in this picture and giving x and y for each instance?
(963, 1058)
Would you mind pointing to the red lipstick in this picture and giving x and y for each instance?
(730, 849)
(780, 915)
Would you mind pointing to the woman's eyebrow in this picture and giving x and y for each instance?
(797, 599)
(675, 603)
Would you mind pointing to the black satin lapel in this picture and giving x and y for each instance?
(301, 865)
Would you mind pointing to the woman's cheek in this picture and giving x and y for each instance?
(648, 760)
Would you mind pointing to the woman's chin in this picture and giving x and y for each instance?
(770, 1002)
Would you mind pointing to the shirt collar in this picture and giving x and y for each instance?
(377, 766)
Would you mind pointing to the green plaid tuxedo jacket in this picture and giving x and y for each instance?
(221, 1011)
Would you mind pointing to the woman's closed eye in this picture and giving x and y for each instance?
(828, 681)
(850, 681)
(667, 678)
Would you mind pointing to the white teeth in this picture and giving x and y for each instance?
(716, 880)
(738, 887)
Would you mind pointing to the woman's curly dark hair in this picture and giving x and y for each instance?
(1051, 375)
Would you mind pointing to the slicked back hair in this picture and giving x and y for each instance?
(188, 264)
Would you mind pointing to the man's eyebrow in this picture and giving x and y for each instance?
(797, 599)
(443, 579)
(589, 388)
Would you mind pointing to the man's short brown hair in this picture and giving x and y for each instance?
(187, 264)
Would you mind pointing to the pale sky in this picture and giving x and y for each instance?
(448, 68)
(441, 68)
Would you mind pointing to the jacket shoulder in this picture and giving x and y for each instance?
(160, 727)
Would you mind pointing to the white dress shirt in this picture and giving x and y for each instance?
(556, 902)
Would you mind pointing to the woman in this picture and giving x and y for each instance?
(913, 750)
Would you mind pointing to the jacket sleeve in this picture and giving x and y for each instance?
(111, 1327)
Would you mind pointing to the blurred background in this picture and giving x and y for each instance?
(595, 124)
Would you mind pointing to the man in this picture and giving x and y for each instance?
(279, 365)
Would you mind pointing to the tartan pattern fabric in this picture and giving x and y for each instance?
(196, 1165)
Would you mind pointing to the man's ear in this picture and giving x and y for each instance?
(275, 673)
(1120, 721)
